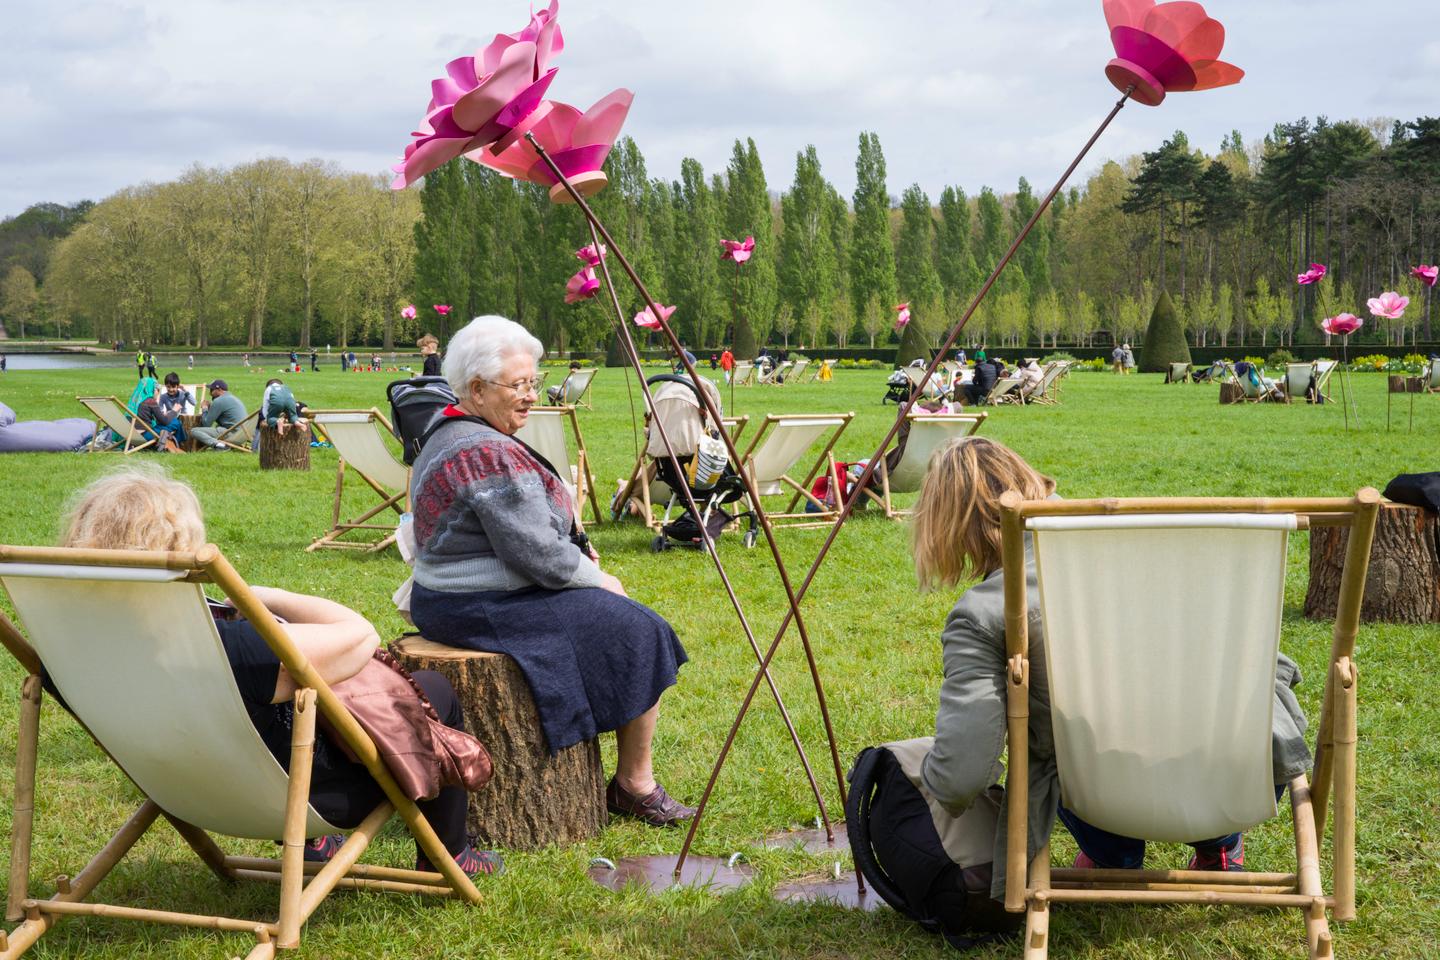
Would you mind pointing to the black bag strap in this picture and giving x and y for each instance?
(858, 801)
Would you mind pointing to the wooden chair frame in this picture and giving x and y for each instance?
(1000, 392)
(642, 475)
(748, 380)
(585, 483)
(767, 379)
(1034, 888)
(132, 429)
(884, 497)
(247, 443)
(331, 540)
(579, 401)
(1262, 395)
(798, 371)
(1430, 377)
(789, 518)
(1184, 376)
(303, 886)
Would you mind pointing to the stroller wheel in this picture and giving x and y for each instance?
(658, 545)
(750, 537)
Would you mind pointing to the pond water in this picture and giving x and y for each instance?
(163, 361)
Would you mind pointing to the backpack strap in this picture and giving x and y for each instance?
(863, 778)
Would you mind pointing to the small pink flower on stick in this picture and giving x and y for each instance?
(902, 316)
(442, 308)
(408, 312)
(1313, 275)
(645, 318)
(1426, 274)
(1341, 325)
(591, 254)
(1165, 48)
(582, 286)
(1388, 306)
(738, 250)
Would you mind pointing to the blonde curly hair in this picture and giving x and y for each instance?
(136, 507)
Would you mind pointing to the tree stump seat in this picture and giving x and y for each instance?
(535, 799)
(288, 452)
(1403, 585)
(1404, 384)
(1231, 393)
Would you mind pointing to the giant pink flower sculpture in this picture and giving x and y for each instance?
(591, 254)
(488, 98)
(738, 250)
(582, 286)
(1341, 325)
(647, 319)
(1313, 275)
(1388, 306)
(1426, 274)
(902, 316)
(408, 312)
(1165, 48)
(577, 142)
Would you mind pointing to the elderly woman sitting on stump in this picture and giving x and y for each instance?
(501, 567)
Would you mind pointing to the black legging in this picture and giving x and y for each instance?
(348, 795)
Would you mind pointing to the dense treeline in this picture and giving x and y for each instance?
(304, 253)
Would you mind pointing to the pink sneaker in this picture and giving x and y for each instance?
(1225, 859)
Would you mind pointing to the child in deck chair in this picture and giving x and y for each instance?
(279, 408)
(145, 509)
(956, 539)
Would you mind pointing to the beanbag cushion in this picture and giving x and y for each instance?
(43, 436)
(7, 416)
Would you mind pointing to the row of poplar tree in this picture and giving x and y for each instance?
(275, 252)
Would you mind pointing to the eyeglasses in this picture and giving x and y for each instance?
(521, 387)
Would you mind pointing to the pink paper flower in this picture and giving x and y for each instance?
(582, 286)
(902, 316)
(1170, 47)
(1388, 306)
(1313, 275)
(737, 250)
(577, 142)
(442, 308)
(591, 255)
(647, 319)
(408, 312)
(1426, 274)
(1341, 325)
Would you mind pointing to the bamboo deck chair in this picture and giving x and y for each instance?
(1323, 370)
(767, 378)
(1430, 377)
(357, 438)
(744, 374)
(576, 388)
(927, 432)
(1298, 377)
(797, 372)
(111, 416)
(544, 430)
(1161, 698)
(1249, 392)
(156, 693)
(1178, 373)
(1000, 393)
(780, 443)
(1045, 390)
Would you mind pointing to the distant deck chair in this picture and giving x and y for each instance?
(111, 416)
(1178, 373)
(1298, 377)
(1161, 698)
(744, 374)
(797, 372)
(1048, 389)
(544, 430)
(157, 694)
(576, 388)
(1323, 370)
(767, 377)
(780, 443)
(927, 432)
(1250, 392)
(1000, 393)
(358, 438)
(653, 491)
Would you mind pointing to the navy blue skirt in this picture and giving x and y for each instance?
(594, 660)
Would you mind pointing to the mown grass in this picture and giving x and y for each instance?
(876, 639)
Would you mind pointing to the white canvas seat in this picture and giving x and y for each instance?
(1161, 697)
(766, 377)
(111, 413)
(1431, 377)
(1249, 391)
(575, 389)
(156, 692)
(927, 432)
(797, 373)
(1178, 373)
(782, 372)
(357, 438)
(1000, 393)
(1323, 371)
(545, 431)
(779, 445)
(1298, 377)
(744, 373)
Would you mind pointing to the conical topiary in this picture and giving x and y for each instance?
(914, 345)
(1164, 339)
(744, 347)
(615, 353)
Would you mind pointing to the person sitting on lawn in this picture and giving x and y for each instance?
(221, 412)
(980, 385)
(278, 407)
(144, 509)
(501, 566)
(956, 539)
(1030, 376)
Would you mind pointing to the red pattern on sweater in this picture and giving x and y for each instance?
(494, 463)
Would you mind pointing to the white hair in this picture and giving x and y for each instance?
(481, 348)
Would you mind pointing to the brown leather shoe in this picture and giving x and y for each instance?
(657, 808)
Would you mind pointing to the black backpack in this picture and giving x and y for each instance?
(895, 836)
(415, 407)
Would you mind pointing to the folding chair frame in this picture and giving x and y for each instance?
(977, 420)
(303, 886)
(641, 477)
(585, 482)
(1000, 393)
(248, 445)
(749, 379)
(397, 502)
(826, 515)
(1183, 378)
(132, 430)
(1033, 890)
(581, 400)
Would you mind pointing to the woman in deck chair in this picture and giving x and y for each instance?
(957, 538)
(144, 509)
(500, 566)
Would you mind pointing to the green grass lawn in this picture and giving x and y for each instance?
(877, 643)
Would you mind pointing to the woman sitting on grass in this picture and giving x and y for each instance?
(144, 509)
(957, 538)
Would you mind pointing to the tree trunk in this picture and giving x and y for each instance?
(1403, 585)
(535, 799)
(290, 452)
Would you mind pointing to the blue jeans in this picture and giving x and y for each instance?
(1113, 852)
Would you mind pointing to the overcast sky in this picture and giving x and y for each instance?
(95, 96)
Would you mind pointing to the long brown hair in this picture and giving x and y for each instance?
(957, 518)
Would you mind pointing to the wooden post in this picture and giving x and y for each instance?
(23, 820)
(1403, 585)
(1017, 700)
(536, 799)
(1346, 734)
(1037, 915)
(297, 808)
(288, 452)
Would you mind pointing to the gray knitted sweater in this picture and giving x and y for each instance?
(489, 516)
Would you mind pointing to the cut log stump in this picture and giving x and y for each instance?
(1231, 393)
(1401, 384)
(290, 452)
(535, 799)
(1403, 585)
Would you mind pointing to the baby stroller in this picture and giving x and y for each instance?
(897, 388)
(705, 469)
